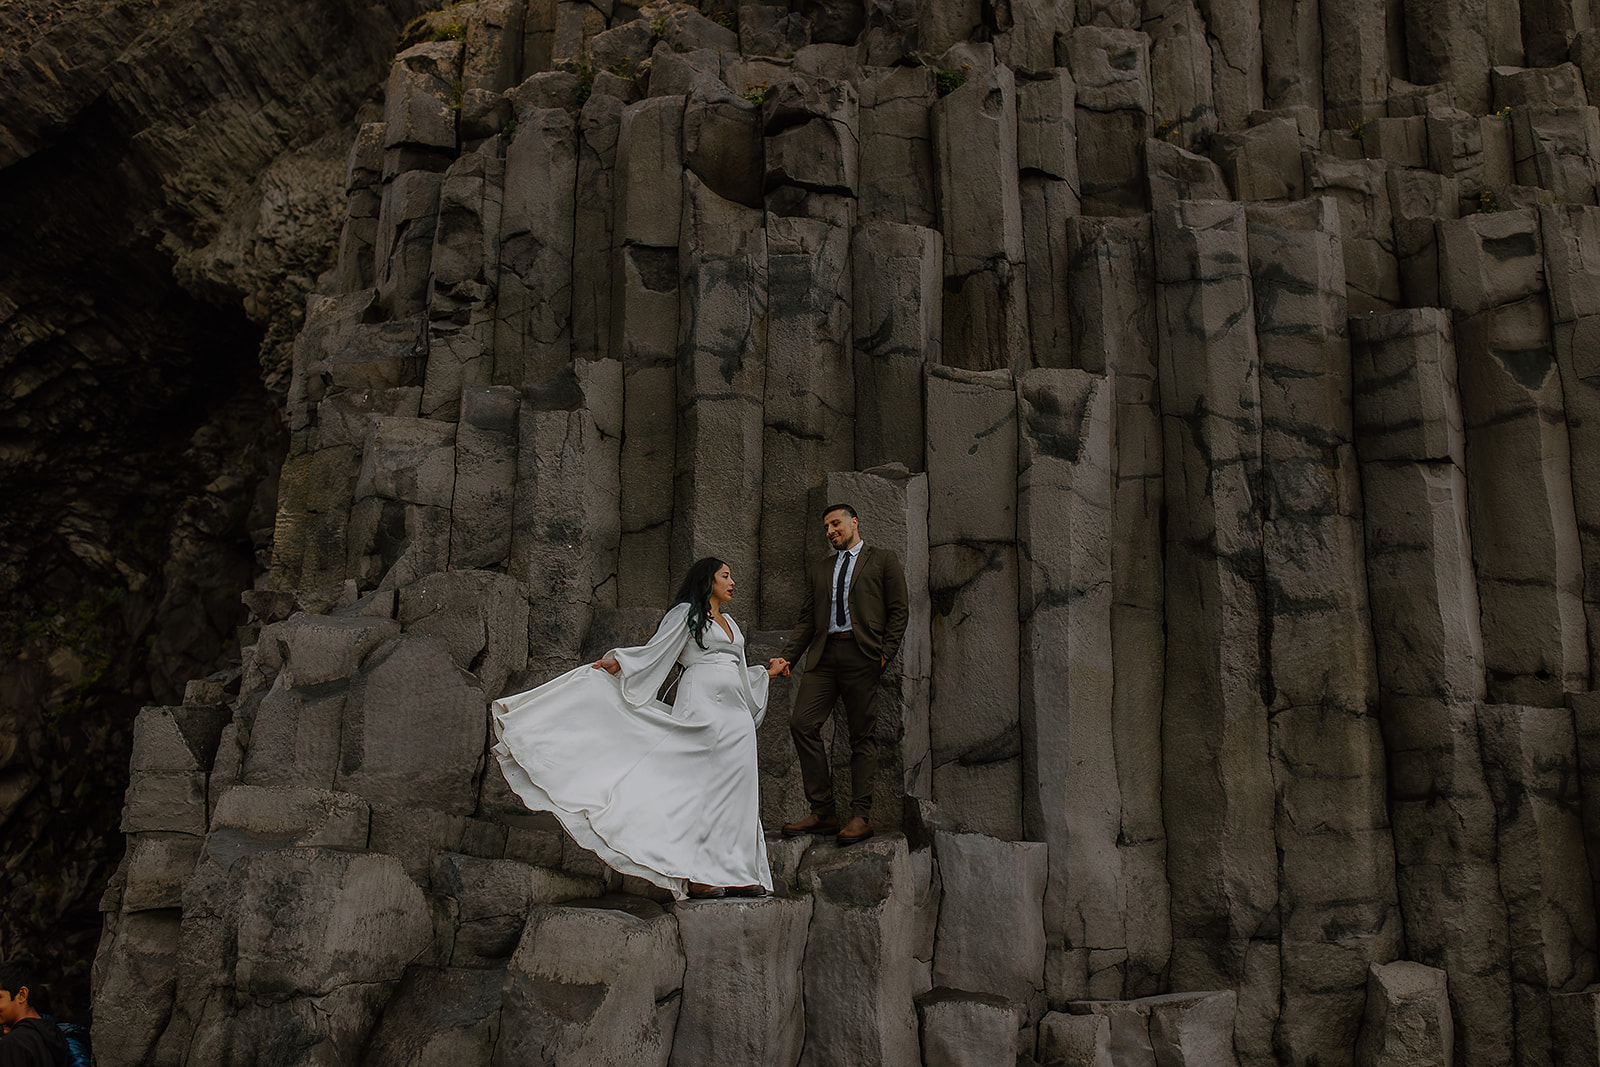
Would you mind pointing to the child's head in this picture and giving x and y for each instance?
(21, 995)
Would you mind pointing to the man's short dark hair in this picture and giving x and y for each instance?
(831, 508)
(17, 974)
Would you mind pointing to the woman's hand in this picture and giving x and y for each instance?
(609, 665)
(777, 667)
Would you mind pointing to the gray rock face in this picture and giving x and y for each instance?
(960, 1028)
(861, 926)
(992, 894)
(592, 984)
(742, 989)
(1210, 374)
(1178, 1028)
(1407, 1018)
(1229, 402)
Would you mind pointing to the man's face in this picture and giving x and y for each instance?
(13, 1007)
(840, 528)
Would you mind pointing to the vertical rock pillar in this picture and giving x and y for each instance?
(1069, 762)
(809, 406)
(1524, 530)
(898, 279)
(1424, 603)
(648, 183)
(1336, 867)
(1570, 237)
(1113, 311)
(566, 521)
(975, 146)
(533, 328)
(972, 564)
(721, 381)
(1217, 780)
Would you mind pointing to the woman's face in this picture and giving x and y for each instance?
(722, 585)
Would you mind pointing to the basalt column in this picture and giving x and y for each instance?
(1217, 780)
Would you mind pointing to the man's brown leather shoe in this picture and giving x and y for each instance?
(857, 829)
(812, 824)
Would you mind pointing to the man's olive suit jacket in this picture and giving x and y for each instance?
(879, 608)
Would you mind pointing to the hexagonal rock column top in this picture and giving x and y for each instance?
(592, 984)
(1407, 1023)
(1177, 1028)
(742, 983)
(858, 960)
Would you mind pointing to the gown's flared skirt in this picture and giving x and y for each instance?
(670, 794)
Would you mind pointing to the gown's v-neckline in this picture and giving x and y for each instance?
(725, 624)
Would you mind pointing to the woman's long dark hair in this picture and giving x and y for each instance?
(696, 592)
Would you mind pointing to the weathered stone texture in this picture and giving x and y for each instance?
(857, 966)
(1407, 1018)
(1222, 857)
(533, 319)
(593, 983)
(1222, 372)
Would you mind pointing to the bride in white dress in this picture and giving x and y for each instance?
(668, 793)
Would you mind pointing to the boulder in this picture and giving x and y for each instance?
(722, 141)
(1074, 1040)
(812, 130)
(1177, 1028)
(1263, 162)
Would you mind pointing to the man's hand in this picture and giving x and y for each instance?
(777, 666)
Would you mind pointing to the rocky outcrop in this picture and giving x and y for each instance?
(1228, 412)
(173, 182)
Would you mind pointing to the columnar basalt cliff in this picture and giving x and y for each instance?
(1223, 373)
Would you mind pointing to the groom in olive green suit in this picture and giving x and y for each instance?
(850, 627)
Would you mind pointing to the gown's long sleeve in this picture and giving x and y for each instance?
(646, 666)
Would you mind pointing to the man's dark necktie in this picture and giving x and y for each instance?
(838, 592)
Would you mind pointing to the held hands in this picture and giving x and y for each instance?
(777, 667)
(609, 665)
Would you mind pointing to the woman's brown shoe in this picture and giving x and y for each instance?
(857, 829)
(701, 891)
(746, 891)
(812, 824)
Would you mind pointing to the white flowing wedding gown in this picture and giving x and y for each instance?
(668, 793)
